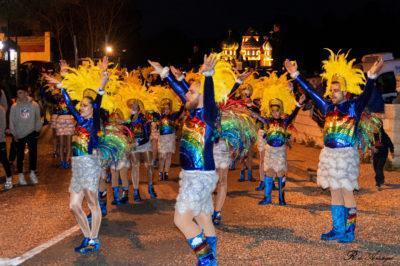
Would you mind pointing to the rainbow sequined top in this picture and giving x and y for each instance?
(341, 120)
(166, 123)
(85, 140)
(197, 142)
(276, 133)
(140, 127)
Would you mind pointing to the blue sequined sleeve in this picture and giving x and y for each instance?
(177, 87)
(71, 107)
(292, 116)
(210, 108)
(318, 99)
(363, 99)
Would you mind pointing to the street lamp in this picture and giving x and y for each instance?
(109, 50)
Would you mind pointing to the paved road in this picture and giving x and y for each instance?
(144, 234)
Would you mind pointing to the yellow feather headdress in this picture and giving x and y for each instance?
(337, 68)
(276, 90)
(86, 79)
(164, 95)
(131, 90)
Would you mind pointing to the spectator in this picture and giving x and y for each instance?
(3, 149)
(379, 155)
(3, 100)
(25, 125)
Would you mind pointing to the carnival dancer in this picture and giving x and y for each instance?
(277, 101)
(170, 110)
(85, 163)
(140, 104)
(194, 205)
(119, 167)
(339, 161)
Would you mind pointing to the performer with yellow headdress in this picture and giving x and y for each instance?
(277, 101)
(339, 162)
(85, 163)
(170, 110)
(139, 102)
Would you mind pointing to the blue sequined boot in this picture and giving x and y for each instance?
(116, 200)
(83, 244)
(281, 187)
(212, 242)
(250, 176)
(338, 223)
(203, 251)
(242, 175)
(151, 191)
(268, 181)
(124, 197)
(92, 246)
(216, 217)
(350, 220)
(136, 196)
(261, 186)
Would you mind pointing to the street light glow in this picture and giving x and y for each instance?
(109, 49)
(1, 45)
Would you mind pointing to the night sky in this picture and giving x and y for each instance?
(170, 28)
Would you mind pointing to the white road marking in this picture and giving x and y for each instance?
(33, 252)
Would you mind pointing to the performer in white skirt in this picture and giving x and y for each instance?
(338, 167)
(167, 137)
(85, 163)
(277, 100)
(140, 126)
(194, 204)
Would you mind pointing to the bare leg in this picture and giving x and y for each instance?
(68, 147)
(161, 162)
(93, 203)
(123, 173)
(62, 148)
(348, 198)
(205, 222)
(337, 197)
(148, 163)
(75, 204)
(222, 189)
(135, 161)
(262, 174)
(168, 161)
(186, 225)
(114, 178)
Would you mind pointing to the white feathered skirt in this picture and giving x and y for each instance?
(275, 158)
(338, 168)
(195, 192)
(85, 173)
(166, 143)
(222, 158)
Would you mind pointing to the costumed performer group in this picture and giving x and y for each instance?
(217, 129)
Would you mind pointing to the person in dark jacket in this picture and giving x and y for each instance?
(380, 152)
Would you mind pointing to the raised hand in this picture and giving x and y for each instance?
(244, 75)
(104, 80)
(302, 99)
(104, 64)
(176, 72)
(209, 63)
(157, 67)
(63, 67)
(376, 67)
(290, 66)
(50, 79)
